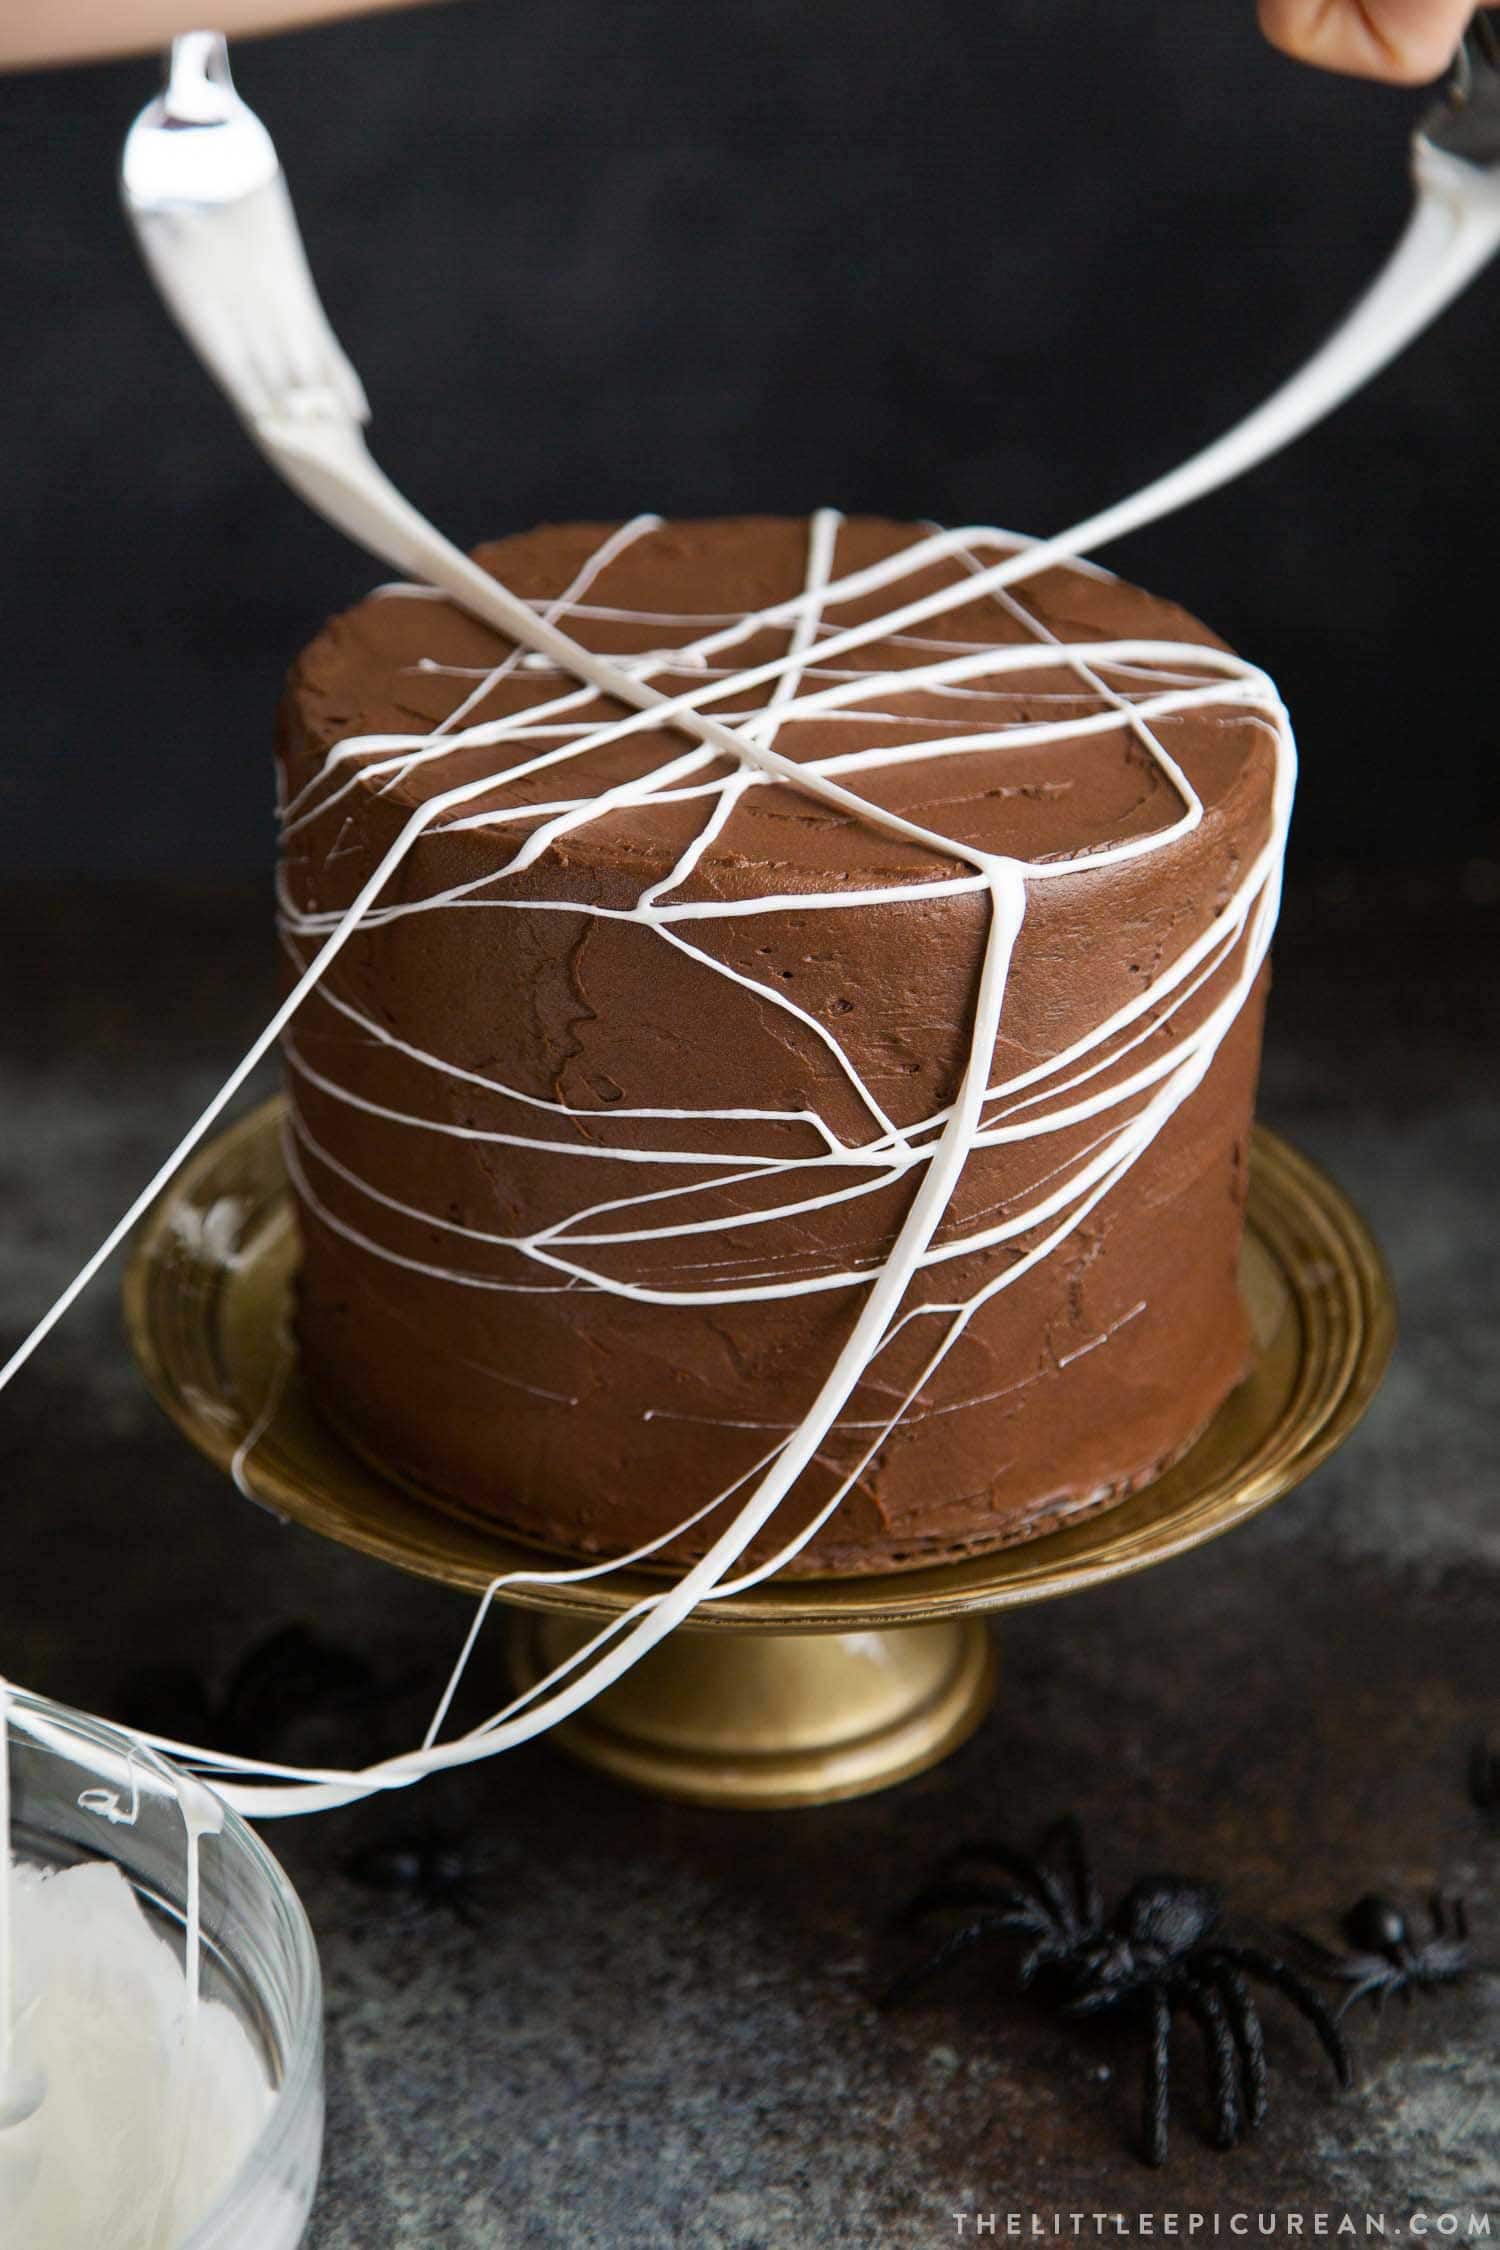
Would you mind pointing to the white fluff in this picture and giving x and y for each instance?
(149, 2110)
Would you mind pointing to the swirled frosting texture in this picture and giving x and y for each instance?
(596, 1158)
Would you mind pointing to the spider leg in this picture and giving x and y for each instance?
(1322, 1960)
(1446, 1953)
(1158, 2078)
(1286, 1981)
(1249, 2038)
(1207, 2010)
(900, 1987)
(1445, 1961)
(940, 1895)
(1067, 1837)
(1048, 1948)
(1374, 1986)
(1036, 1883)
(1450, 1917)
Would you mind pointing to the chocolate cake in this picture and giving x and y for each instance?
(612, 1105)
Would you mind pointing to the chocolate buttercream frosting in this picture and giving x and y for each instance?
(611, 1112)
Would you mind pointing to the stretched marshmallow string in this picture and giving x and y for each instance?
(330, 1788)
(656, 1614)
(1454, 229)
(934, 1150)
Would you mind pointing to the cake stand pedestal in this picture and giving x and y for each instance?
(802, 1690)
(774, 1719)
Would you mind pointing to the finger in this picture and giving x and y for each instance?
(1404, 42)
(54, 31)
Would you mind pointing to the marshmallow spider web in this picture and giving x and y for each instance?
(1129, 686)
(1453, 230)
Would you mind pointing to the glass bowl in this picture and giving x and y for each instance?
(83, 1790)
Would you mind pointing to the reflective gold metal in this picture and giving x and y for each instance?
(737, 1708)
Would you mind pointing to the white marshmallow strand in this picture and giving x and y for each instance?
(1453, 230)
(1125, 686)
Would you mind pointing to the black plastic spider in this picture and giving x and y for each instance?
(1385, 1956)
(1484, 1780)
(1162, 1948)
(424, 1868)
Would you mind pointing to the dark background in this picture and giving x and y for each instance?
(989, 260)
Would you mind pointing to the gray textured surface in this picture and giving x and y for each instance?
(659, 2028)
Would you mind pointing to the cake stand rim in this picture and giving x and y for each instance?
(1338, 1286)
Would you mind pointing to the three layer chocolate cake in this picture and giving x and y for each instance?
(610, 1110)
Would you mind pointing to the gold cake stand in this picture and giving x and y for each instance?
(801, 1690)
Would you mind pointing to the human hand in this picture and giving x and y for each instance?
(56, 31)
(1403, 41)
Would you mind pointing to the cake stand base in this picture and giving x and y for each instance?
(772, 1719)
(798, 1690)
